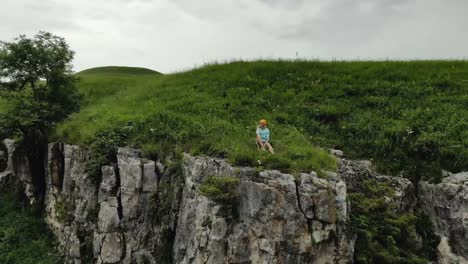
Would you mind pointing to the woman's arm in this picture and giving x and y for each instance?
(258, 138)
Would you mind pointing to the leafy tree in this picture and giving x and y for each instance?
(38, 89)
(38, 83)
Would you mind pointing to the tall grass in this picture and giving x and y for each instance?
(409, 116)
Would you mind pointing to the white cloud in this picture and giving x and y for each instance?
(173, 35)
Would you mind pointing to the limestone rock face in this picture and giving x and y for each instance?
(355, 172)
(108, 183)
(279, 220)
(6, 171)
(112, 248)
(17, 172)
(108, 218)
(70, 201)
(130, 169)
(446, 204)
(3, 157)
(139, 211)
(114, 217)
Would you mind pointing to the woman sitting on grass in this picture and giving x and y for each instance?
(263, 136)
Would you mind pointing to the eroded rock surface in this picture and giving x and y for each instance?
(141, 211)
(446, 204)
(17, 172)
(70, 201)
(6, 167)
(104, 219)
(271, 227)
(356, 172)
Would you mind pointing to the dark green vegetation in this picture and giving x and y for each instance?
(103, 151)
(409, 116)
(221, 190)
(37, 85)
(117, 70)
(384, 236)
(24, 237)
(38, 89)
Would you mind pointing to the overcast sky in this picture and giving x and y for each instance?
(177, 35)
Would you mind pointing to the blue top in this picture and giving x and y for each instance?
(264, 133)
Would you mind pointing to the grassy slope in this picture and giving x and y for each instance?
(409, 116)
(117, 70)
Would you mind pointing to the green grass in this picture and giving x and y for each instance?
(409, 116)
(24, 237)
(171, 112)
(117, 70)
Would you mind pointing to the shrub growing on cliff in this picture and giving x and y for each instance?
(384, 236)
(221, 190)
(103, 151)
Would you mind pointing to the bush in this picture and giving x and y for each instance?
(103, 150)
(247, 159)
(384, 236)
(222, 190)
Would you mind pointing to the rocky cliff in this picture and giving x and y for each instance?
(114, 219)
(446, 204)
(280, 219)
(141, 211)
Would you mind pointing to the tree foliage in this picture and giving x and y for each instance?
(36, 83)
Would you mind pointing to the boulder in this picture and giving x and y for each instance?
(112, 248)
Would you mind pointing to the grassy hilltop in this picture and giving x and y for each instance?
(410, 117)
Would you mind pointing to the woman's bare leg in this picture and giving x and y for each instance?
(270, 148)
(260, 143)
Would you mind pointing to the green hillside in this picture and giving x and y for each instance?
(410, 117)
(117, 70)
